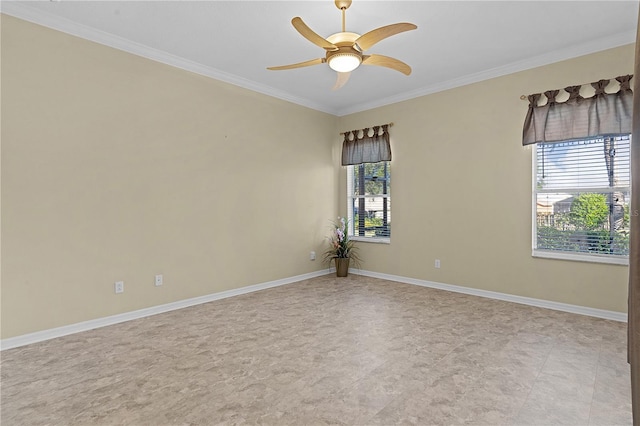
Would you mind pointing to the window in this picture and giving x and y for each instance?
(581, 199)
(369, 201)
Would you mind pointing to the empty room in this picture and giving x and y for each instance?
(197, 223)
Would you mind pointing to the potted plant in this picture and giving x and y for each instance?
(341, 249)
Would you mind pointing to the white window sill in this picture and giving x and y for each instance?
(591, 258)
(371, 240)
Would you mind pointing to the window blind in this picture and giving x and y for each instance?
(582, 191)
(369, 200)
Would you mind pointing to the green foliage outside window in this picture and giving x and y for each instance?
(584, 228)
(375, 173)
(370, 221)
(589, 211)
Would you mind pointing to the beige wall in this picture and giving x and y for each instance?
(115, 167)
(462, 189)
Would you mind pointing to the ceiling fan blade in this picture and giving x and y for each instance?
(310, 35)
(367, 40)
(342, 79)
(299, 64)
(386, 61)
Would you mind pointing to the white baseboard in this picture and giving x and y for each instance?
(557, 306)
(39, 336)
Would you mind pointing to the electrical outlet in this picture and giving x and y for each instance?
(119, 287)
(158, 280)
(437, 265)
(312, 255)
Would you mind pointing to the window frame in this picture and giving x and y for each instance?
(350, 203)
(562, 255)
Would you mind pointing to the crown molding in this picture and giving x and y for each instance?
(559, 55)
(22, 11)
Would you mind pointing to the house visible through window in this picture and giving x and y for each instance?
(369, 200)
(581, 197)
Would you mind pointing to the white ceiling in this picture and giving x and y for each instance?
(456, 43)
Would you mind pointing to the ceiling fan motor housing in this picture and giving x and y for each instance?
(346, 48)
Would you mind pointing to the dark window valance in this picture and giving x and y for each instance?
(364, 146)
(576, 118)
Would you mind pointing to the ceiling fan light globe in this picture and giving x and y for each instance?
(344, 62)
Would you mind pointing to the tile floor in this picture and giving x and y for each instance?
(355, 351)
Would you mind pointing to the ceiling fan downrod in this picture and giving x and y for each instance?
(343, 5)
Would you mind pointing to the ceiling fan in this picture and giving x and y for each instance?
(344, 50)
